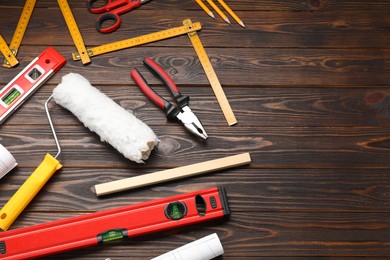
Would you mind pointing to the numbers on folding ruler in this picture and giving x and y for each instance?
(211, 76)
(143, 39)
(20, 29)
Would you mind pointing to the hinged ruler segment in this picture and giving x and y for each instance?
(211, 76)
(74, 31)
(139, 40)
(9, 56)
(20, 29)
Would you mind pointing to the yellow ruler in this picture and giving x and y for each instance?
(74, 31)
(211, 76)
(9, 56)
(19, 31)
(143, 39)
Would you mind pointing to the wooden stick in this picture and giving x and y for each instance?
(172, 174)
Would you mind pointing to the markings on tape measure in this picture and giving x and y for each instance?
(20, 30)
(139, 40)
(9, 56)
(211, 76)
(74, 31)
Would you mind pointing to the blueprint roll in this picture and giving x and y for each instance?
(205, 248)
(7, 161)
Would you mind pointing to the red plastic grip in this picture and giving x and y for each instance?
(141, 82)
(162, 74)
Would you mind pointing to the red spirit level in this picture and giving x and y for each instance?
(108, 225)
(29, 80)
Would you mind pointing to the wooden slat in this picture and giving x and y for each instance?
(341, 29)
(273, 147)
(255, 107)
(243, 5)
(253, 67)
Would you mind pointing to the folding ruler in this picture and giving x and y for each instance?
(211, 76)
(125, 222)
(140, 40)
(74, 31)
(11, 51)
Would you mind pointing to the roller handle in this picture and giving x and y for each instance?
(28, 190)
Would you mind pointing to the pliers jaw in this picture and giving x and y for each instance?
(191, 122)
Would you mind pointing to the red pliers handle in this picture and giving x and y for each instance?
(181, 113)
(161, 102)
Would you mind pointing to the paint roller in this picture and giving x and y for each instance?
(130, 136)
(100, 114)
(32, 185)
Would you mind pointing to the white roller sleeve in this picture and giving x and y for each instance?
(115, 125)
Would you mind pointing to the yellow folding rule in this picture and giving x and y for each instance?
(11, 51)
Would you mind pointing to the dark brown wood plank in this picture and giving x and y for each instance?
(237, 67)
(243, 5)
(263, 29)
(273, 147)
(249, 189)
(254, 107)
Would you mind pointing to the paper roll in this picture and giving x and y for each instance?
(7, 161)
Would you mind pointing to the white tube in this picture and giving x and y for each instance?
(7, 161)
(205, 248)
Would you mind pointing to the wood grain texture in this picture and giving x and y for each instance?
(309, 84)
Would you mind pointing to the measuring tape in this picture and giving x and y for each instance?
(74, 31)
(19, 31)
(211, 76)
(6, 51)
(113, 224)
(28, 81)
(143, 39)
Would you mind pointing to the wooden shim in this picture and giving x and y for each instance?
(172, 174)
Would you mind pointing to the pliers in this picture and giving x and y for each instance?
(182, 112)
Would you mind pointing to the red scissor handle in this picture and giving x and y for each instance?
(108, 5)
(111, 11)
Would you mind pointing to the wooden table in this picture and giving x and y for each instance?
(309, 84)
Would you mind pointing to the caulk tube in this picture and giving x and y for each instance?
(7, 161)
(28, 190)
(205, 248)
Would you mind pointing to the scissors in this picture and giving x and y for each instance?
(111, 11)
